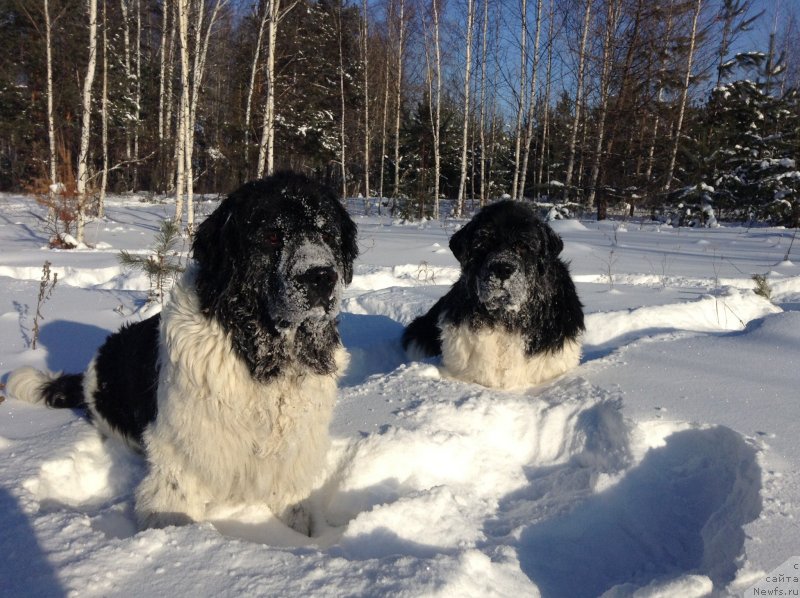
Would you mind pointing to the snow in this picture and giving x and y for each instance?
(666, 464)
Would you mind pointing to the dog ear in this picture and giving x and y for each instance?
(554, 242)
(212, 251)
(460, 241)
(349, 244)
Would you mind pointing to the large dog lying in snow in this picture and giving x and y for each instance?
(513, 318)
(229, 391)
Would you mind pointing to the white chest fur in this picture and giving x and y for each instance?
(496, 358)
(222, 436)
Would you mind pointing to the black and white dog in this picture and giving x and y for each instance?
(513, 318)
(229, 391)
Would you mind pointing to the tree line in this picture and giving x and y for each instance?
(597, 103)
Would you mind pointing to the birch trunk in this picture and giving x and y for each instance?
(202, 41)
(465, 129)
(51, 129)
(531, 104)
(101, 203)
(684, 97)
(170, 99)
(573, 140)
(612, 17)
(86, 120)
(434, 76)
(251, 85)
(266, 149)
(343, 104)
(365, 61)
(547, 87)
(384, 121)
(137, 99)
(126, 63)
(183, 109)
(482, 117)
(162, 67)
(401, 24)
(523, 92)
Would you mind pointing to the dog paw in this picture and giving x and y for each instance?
(160, 520)
(299, 519)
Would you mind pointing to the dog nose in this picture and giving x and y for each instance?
(502, 270)
(320, 283)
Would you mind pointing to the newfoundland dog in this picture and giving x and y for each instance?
(229, 391)
(513, 318)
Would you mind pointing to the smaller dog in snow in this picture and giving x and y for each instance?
(513, 318)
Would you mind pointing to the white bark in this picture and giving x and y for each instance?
(183, 109)
(434, 80)
(343, 105)
(401, 30)
(482, 118)
(126, 63)
(547, 88)
(137, 98)
(266, 149)
(162, 60)
(523, 92)
(101, 203)
(86, 120)
(462, 183)
(51, 134)
(576, 120)
(365, 61)
(659, 98)
(252, 82)
(684, 96)
(612, 18)
(529, 130)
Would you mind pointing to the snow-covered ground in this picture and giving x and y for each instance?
(667, 464)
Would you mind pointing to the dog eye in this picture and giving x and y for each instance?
(329, 239)
(273, 238)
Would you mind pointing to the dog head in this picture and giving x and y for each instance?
(503, 251)
(273, 259)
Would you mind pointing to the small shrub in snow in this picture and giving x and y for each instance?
(163, 265)
(46, 286)
(762, 287)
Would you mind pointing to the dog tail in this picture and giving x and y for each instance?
(54, 390)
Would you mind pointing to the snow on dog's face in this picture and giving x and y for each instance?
(273, 259)
(503, 252)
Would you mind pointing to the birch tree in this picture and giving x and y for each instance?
(531, 116)
(254, 65)
(86, 120)
(51, 132)
(401, 35)
(523, 91)
(266, 149)
(365, 66)
(576, 120)
(342, 100)
(609, 35)
(684, 96)
(101, 202)
(467, 88)
(433, 76)
(193, 61)
(482, 116)
(547, 90)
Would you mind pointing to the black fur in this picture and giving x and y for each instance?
(552, 312)
(127, 377)
(65, 392)
(238, 267)
(238, 249)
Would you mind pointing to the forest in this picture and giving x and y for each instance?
(633, 106)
